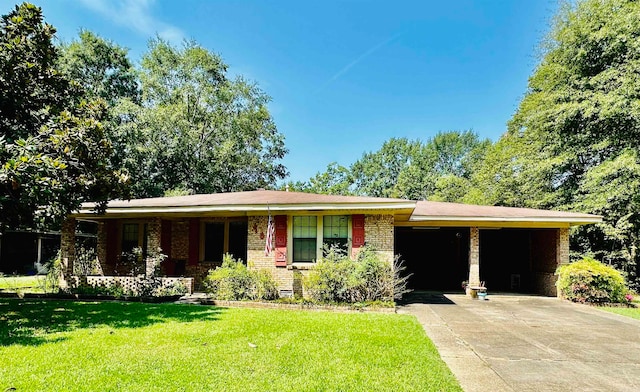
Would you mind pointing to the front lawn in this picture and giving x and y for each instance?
(90, 346)
(32, 284)
(629, 312)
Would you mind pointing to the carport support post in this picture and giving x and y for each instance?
(474, 258)
(562, 251)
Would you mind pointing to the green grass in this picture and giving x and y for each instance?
(31, 284)
(629, 312)
(113, 346)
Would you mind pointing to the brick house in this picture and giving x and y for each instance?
(442, 244)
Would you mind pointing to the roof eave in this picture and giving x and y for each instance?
(573, 221)
(87, 211)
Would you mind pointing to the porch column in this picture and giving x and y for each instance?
(154, 233)
(474, 258)
(67, 252)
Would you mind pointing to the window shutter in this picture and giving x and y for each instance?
(357, 231)
(112, 241)
(281, 240)
(194, 241)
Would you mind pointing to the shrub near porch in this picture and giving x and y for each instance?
(73, 346)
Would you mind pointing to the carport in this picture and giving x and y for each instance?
(510, 249)
(435, 258)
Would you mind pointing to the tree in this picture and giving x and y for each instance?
(195, 129)
(611, 190)
(582, 108)
(376, 173)
(53, 151)
(336, 180)
(442, 164)
(515, 172)
(438, 169)
(101, 67)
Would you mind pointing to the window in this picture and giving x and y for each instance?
(336, 231)
(229, 236)
(237, 244)
(305, 238)
(134, 235)
(213, 241)
(310, 231)
(129, 236)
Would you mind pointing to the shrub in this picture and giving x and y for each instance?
(233, 281)
(264, 286)
(332, 281)
(152, 286)
(336, 278)
(86, 262)
(51, 282)
(589, 281)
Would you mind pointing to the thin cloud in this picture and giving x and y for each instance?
(135, 15)
(358, 59)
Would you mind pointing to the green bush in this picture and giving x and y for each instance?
(337, 278)
(233, 281)
(589, 281)
(264, 286)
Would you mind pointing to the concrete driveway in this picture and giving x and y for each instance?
(526, 343)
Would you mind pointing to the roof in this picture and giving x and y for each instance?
(261, 200)
(441, 211)
(408, 212)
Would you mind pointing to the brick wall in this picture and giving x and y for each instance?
(256, 258)
(544, 248)
(378, 233)
(199, 271)
(154, 233)
(101, 249)
(67, 250)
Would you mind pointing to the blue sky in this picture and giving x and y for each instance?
(346, 75)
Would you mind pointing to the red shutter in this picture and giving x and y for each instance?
(112, 241)
(281, 240)
(357, 231)
(165, 238)
(194, 241)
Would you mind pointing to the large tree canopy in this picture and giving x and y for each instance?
(582, 111)
(437, 169)
(53, 151)
(195, 129)
(101, 67)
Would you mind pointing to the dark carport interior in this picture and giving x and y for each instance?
(511, 259)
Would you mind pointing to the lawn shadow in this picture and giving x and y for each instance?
(29, 322)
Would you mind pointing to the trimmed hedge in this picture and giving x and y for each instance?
(590, 281)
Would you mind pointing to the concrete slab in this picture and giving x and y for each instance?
(528, 343)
